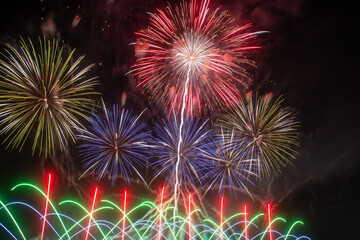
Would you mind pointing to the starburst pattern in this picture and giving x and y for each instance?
(42, 95)
(115, 144)
(271, 132)
(232, 166)
(191, 37)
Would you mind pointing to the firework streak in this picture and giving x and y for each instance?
(105, 219)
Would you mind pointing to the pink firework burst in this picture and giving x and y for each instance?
(191, 41)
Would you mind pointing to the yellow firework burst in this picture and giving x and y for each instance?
(43, 95)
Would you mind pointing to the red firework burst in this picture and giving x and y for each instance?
(191, 41)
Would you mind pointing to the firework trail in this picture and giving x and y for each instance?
(116, 141)
(232, 165)
(180, 139)
(192, 36)
(44, 93)
(271, 132)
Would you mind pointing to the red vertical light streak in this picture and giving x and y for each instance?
(192, 12)
(160, 215)
(269, 218)
(91, 212)
(124, 219)
(46, 205)
(189, 207)
(245, 221)
(221, 217)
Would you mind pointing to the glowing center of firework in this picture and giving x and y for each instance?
(191, 50)
(45, 99)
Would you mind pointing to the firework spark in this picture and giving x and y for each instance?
(115, 141)
(232, 166)
(43, 93)
(190, 36)
(271, 132)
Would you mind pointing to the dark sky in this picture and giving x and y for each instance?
(310, 57)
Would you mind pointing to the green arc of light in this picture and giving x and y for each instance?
(50, 202)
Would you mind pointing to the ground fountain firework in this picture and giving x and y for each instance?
(116, 219)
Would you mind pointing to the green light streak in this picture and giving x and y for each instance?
(12, 217)
(266, 230)
(293, 225)
(44, 195)
(85, 217)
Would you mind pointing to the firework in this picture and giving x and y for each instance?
(42, 93)
(182, 163)
(104, 218)
(115, 144)
(271, 132)
(232, 166)
(189, 39)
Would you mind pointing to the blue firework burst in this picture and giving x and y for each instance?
(233, 165)
(193, 153)
(115, 144)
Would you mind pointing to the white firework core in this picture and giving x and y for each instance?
(192, 50)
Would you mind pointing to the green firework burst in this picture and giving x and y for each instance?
(43, 95)
(270, 131)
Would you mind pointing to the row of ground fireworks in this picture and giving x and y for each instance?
(70, 219)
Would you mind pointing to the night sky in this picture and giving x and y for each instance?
(310, 57)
